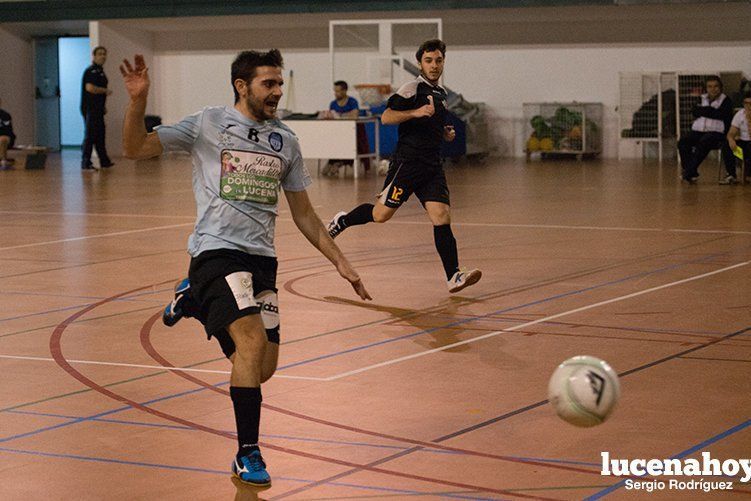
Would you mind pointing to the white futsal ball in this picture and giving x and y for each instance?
(583, 390)
(383, 167)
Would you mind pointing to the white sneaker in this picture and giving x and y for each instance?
(729, 180)
(335, 225)
(462, 279)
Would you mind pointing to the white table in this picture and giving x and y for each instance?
(326, 139)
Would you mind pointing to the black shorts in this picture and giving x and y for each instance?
(409, 175)
(224, 283)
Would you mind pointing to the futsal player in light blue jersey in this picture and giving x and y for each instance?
(242, 159)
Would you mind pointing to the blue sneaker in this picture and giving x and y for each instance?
(174, 311)
(251, 469)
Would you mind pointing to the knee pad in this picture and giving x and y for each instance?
(269, 304)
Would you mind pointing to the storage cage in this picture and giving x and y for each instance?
(647, 110)
(563, 129)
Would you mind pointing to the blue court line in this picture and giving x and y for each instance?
(288, 437)
(563, 461)
(679, 455)
(188, 428)
(506, 310)
(126, 299)
(359, 444)
(103, 420)
(102, 414)
(197, 390)
(72, 296)
(226, 472)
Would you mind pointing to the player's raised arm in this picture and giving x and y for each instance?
(394, 117)
(137, 143)
(310, 225)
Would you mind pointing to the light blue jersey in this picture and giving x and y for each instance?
(239, 166)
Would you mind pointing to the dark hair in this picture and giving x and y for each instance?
(93, 52)
(430, 46)
(245, 64)
(713, 78)
(342, 84)
(747, 94)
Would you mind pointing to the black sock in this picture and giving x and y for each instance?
(361, 214)
(445, 244)
(247, 404)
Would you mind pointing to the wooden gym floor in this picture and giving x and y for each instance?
(416, 394)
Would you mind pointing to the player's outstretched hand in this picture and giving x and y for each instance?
(136, 78)
(349, 273)
(426, 111)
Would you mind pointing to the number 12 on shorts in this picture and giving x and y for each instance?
(396, 194)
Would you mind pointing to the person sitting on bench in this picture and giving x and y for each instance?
(712, 116)
(7, 138)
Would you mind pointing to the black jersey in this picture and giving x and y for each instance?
(420, 137)
(93, 103)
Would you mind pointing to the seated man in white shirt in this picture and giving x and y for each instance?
(739, 135)
(712, 121)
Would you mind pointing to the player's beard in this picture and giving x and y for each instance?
(432, 78)
(259, 107)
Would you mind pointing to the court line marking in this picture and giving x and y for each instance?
(93, 214)
(293, 438)
(113, 214)
(714, 359)
(102, 235)
(573, 227)
(65, 308)
(464, 494)
(515, 413)
(498, 225)
(89, 382)
(517, 307)
(396, 360)
(142, 366)
(534, 322)
(265, 435)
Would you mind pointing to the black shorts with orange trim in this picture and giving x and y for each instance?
(409, 175)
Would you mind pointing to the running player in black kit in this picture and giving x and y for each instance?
(419, 107)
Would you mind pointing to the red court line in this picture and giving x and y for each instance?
(56, 351)
(149, 348)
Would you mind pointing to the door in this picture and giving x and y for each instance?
(47, 89)
(75, 57)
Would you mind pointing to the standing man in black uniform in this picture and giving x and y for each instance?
(94, 94)
(419, 107)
